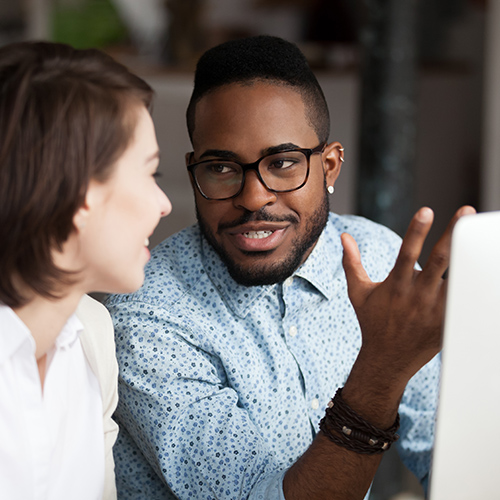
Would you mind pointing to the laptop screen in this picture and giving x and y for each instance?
(466, 460)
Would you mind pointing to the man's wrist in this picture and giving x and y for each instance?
(346, 428)
(374, 393)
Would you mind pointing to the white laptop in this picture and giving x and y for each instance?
(466, 461)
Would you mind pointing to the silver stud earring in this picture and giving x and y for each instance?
(330, 189)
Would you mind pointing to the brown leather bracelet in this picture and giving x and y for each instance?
(343, 426)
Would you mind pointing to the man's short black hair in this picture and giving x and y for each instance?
(261, 58)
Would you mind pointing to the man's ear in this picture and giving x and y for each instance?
(333, 157)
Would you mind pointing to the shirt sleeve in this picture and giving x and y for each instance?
(418, 417)
(186, 423)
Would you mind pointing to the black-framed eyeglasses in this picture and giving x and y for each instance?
(279, 172)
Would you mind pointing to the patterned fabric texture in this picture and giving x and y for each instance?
(222, 386)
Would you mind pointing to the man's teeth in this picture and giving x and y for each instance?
(257, 234)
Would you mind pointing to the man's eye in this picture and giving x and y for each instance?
(220, 168)
(283, 163)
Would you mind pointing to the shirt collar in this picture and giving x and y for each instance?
(238, 297)
(14, 333)
(323, 267)
(70, 332)
(319, 269)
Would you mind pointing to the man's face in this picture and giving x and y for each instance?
(261, 236)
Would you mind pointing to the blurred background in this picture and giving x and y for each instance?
(413, 88)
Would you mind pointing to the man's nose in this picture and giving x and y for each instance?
(254, 194)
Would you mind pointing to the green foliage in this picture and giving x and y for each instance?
(90, 23)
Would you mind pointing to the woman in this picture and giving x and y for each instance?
(78, 201)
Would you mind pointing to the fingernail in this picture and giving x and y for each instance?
(424, 214)
(467, 210)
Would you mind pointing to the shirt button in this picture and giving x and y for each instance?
(314, 404)
(288, 281)
(293, 331)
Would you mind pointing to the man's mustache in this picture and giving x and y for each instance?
(260, 215)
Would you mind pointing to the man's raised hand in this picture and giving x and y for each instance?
(401, 318)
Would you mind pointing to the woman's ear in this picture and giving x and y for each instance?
(333, 157)
(94, 194)
(81, 217)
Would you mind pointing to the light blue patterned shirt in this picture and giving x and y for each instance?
(222, 386)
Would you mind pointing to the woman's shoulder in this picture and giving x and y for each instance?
(97, 335)
(93, 314)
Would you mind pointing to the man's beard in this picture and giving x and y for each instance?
(255, 274)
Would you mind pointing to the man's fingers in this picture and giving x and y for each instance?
(413, 242)
(358, 282)
(439, 258)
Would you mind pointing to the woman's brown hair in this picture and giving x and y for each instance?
(65, 118)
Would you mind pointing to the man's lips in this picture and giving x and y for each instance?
(255, 227)
(260, 237)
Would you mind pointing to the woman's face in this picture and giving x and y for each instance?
(121, 214)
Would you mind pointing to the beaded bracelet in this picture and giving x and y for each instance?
(352, 431)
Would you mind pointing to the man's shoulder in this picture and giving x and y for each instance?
(174, 268)
(378, 245)
(363, 230)
(182, 248)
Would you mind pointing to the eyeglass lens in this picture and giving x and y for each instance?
(280, 172)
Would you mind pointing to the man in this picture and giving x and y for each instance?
(244, 329)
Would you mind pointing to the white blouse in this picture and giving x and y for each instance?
(51, 443)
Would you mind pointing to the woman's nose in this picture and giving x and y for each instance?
(165, 205)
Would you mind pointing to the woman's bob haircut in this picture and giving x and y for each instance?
(66, 116)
